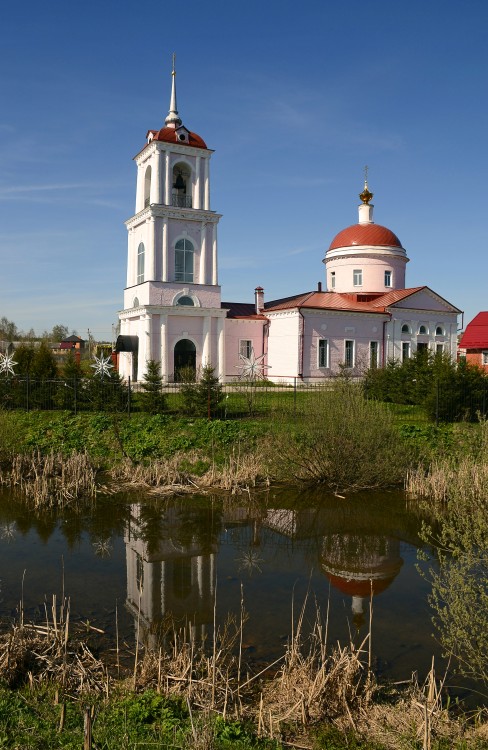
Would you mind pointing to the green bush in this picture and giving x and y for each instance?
(344, 441)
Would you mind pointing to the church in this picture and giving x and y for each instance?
(173, 309)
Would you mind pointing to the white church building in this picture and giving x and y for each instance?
(173, 311)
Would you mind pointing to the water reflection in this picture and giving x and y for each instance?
(171, 569)
(185, 560)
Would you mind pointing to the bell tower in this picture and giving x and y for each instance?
(172, 305)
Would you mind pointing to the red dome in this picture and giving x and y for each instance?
(365, 234)
(170, 135)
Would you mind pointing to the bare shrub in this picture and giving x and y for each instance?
(344, 441)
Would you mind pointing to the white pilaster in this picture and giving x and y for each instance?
(140, 188)
(151, 251)
(164, 346)
(197, 197)
(215, 279)
(221, 345)
(165, 250)
(130, 243)
(167, 183)
(203, 254)
(206, 178)
(156, 179)
(206, 340)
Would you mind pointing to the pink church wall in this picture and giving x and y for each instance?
(235, 331)
(373, 269)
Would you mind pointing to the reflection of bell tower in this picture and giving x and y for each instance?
(360, 566)
(172, 295)
(174, 582)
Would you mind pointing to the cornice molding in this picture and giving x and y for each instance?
(157, 210)
(174, 148)
(172, 310)
(371, 251)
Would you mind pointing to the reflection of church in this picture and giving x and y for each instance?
(170, 582)
(360, 566)
(173, 312)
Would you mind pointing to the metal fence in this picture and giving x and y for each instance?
(237, 400)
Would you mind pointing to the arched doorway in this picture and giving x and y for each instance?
(185, 355)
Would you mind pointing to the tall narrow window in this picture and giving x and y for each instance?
(374, 351)
(140, 263)
(184, 261)
(357, 277)
(332, 279)
(387, 278)
(439, 348)
(349, 353)
(323, 352)
(245, 348)
(405, 350)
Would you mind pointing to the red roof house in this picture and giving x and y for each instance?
(474, 341)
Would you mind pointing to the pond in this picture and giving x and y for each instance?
(133, 564)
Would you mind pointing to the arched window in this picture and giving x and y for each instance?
(422, 330)
(181, 192)
(186, 301)
(405, 328)
(184, 261)
(140, 263)
(439, 331)
(135, 302)
(147, 187)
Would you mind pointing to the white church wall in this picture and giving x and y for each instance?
(283, 345)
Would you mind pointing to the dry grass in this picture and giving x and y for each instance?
(47, 653)
(51, 481)
(177, 475)
(413, 717)
(447, 479)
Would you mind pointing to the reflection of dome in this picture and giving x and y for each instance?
(365, 234)
(359, 566)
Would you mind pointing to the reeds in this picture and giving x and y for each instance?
(51, 480)
(46, 652)
(447, 479)
(181, 473)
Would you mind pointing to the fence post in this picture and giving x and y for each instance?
(294, 396)
(128, 399)
(74, 395)
(208, 402)
(87, 729)
(27, 393)
(483, 404)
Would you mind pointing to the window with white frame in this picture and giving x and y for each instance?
(323, 353)
(245, 348)
(405, 350)
(484, 358)
(387, 278)
(332, 279)
(439, 348)
(422, 330)
(405, 328)
(140, 263)
(186, 301)
(184, 260)
(374, 350)
(439, 331)
(349, 353)
(357, 277)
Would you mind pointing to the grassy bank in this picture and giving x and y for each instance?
(56, 693)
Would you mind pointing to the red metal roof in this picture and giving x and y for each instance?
(365, 234)
(170, 136)
(476, 334)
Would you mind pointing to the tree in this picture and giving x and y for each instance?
(59, 332)
(152, 399)
(201, 396)
(43, 366)
(8, 330)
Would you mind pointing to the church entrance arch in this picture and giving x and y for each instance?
(185, 354)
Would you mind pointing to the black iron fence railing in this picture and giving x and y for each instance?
(233, 400)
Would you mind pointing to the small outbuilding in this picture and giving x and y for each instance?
(474, 341)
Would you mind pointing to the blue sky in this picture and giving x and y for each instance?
(294, 98)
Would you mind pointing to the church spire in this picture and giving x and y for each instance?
(173, 119)
(366, 207)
